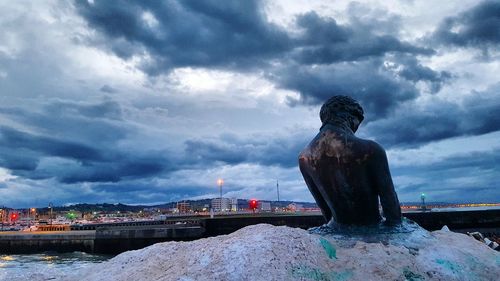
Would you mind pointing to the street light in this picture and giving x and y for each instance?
(33, 211)
(50, 215)
(422, 196)
(220, 182)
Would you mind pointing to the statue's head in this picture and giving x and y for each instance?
(342, 109)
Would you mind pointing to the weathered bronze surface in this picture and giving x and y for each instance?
(345, 174)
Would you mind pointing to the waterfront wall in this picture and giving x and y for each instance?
(106, 240)
(113, 239)
(456, 220)
(26, 243)
(225, 225)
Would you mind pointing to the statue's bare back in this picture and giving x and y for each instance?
(345, 174)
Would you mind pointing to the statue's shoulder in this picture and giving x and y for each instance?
(307, 151)
(368, 147)
(374, 145)
(375, 148)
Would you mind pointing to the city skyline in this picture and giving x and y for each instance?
(153, 102)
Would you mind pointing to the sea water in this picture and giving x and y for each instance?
(45, 266)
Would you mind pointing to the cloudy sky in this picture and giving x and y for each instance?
(145, 102)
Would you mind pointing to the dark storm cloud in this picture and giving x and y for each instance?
(108, 89)
(75, 142)
(367, 81)
(325, 42)
(318, 30)
(14, 139)
(90, 164)
(477, 27)
(187, 33)
(138, 187)
(474, 160)
(353, 60)
(263, 150)
(18, 159)
(133, 192)
(86, 124)
(107, 109)
(120, 168)
(235, 34)
(230, 33)
(452, 176)
(377, 69)
(440, 120)
(70, 158)
(412, 70)
(208, 152)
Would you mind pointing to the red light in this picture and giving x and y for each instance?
(253, 204)
(13, 217)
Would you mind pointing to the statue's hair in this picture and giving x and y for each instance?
(340, 107)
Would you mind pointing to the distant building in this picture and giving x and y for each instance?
(183, 207)
(160, 217)
(234, 205)
(3, 215)
(221, 206)
(206, 207)
(294, 207)
(152, 210)
(265, 206)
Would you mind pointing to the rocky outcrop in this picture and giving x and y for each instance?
(265, 252)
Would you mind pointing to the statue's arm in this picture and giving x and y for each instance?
(385, 187)
(325, 210)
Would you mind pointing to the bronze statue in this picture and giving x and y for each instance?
(345, 174)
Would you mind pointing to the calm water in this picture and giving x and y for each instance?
(44, 266)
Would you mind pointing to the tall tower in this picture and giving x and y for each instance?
(278, 189)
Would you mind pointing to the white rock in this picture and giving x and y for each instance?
(265, 252)
(445, 228)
